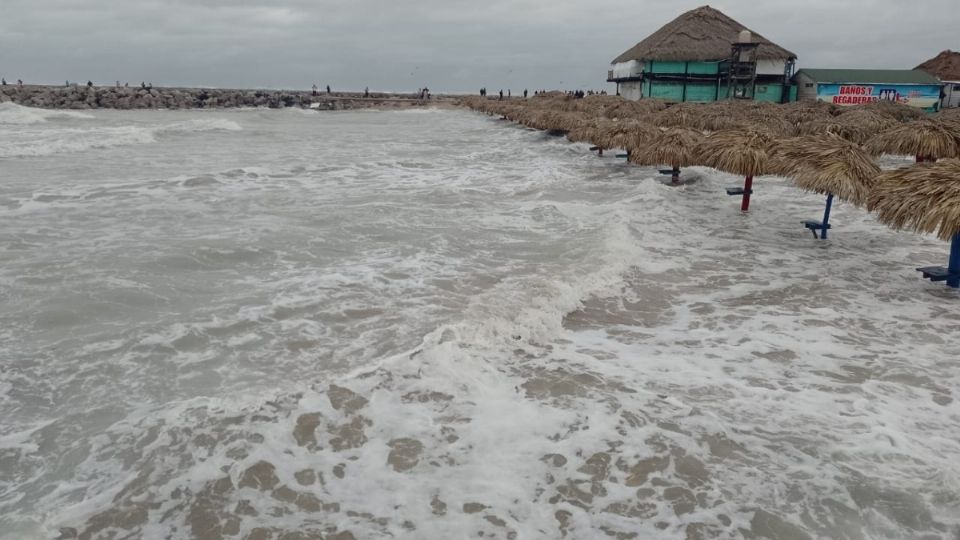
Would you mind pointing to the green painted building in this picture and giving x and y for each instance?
(704, 55)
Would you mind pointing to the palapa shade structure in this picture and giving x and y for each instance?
(702, 34)
(829, 165)
(739, 152)
(924, 198)
(928, 140)
(625, 135)
(676, 147)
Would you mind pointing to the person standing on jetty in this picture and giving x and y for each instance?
(366, 92)
(501, 95)
(328, 89)
(314, 89)
(524, 93)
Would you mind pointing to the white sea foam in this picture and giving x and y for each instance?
(13, 114)
(50, 141)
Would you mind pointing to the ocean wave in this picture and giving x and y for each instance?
(46, 142)
(13, 114)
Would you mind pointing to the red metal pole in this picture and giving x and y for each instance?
(747, 186)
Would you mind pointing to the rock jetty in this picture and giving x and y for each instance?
(100, 97)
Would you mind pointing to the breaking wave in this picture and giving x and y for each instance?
(13, 114)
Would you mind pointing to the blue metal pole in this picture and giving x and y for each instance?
(954, 266)
(826, 217)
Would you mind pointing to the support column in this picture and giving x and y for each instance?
(747, 187)
(826, 217)
(676, 174)
(954, 266)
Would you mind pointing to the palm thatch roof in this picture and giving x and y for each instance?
(703, 34)
(923, 138)
(626, 135)
(827, 164)
(945, 65)
(742, 152)
(674, 147)
(923, 198)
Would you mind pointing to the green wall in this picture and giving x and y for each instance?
(701, 92)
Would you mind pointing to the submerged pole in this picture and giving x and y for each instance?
(954, 266)
(826, 217)
(747, 187)
(676, 174)
(600, 152)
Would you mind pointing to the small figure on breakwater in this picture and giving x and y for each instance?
(20, 83)
(314, 89)
(524, 93)
(89, 84)
(328, 89)
(366, 92)
(3, 82)
(501, 95)
(508, 92)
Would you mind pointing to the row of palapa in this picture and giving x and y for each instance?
(824, 148)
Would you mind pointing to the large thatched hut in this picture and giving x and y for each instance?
(691, 59)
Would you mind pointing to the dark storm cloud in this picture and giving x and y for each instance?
(450, 45)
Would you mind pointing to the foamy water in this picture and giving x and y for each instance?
(433, 324)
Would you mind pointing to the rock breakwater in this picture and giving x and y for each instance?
(99, 97)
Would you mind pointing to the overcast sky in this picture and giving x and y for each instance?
(448, 45)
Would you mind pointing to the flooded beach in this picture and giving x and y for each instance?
(436, 324)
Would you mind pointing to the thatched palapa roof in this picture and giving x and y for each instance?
(945, 66)
(703, 34)
(827, 164)
(675, 147)
(924, 198)
(923, 138)
(741, 152)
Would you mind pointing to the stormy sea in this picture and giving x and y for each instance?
(434, 324)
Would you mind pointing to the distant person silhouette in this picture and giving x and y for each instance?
(89, 84)
(501, 95)
(3, 82)
(366, 92)
(314, 89)
(524, 93)
(328, 89)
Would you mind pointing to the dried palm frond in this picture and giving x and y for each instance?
(923, 198)
(742, 152)
(675, 147)
(925, 139)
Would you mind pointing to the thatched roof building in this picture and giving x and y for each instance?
(689, 58)
(703, 34)
(946, 67)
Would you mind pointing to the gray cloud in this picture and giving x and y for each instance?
(449, 45)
